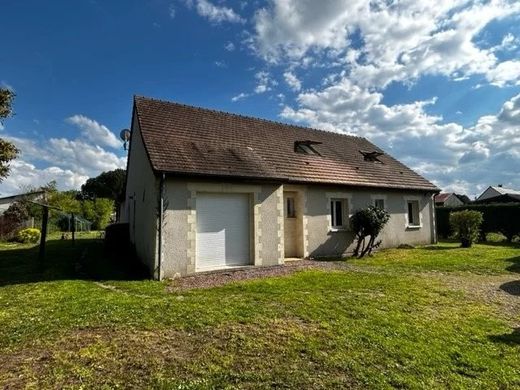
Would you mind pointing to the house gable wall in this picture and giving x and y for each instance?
(141, 201)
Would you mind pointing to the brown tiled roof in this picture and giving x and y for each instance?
(442, 197)
(194, 141)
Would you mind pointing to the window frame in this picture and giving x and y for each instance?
(380, 200)
(346, 201)
(290, 213)
(415, 224)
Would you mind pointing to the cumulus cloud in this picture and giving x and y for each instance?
(95, 131)
(214, 13)
(292, 81)
(381, 42)
(24, 174)
(68, 161)
(264, 82)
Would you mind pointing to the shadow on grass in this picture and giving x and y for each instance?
(515, 266)
(512, 338)
(439, 247)
(500, 244)
(512, 288)
(86, 259)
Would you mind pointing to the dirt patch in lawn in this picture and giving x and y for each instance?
(272, 353)
(220, 278)
(501, 291)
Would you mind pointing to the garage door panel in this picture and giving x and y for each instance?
(222, 230)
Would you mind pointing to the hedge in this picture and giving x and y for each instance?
(498, 218)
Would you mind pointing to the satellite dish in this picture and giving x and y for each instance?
(125, 136)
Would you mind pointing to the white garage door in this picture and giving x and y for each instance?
(222, 231)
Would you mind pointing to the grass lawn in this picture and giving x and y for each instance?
(432, 317)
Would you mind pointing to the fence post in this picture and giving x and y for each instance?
(45, 219)
(73, 229)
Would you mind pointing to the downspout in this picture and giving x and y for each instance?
(161, 215)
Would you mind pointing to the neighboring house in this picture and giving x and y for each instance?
(499, 194)
(449, 199)
(209, 190)
(6, 201)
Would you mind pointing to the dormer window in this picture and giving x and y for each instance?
(372, 156)
(306, 147)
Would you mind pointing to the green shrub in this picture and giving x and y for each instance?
(368, 223)
(28, 236)
(466, 225)
(501, 218)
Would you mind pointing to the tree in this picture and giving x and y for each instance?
(13, 218)
(66, 201)
(8, 151)
(368, 223)
(466, 225)
(98, 211)
(107, 185)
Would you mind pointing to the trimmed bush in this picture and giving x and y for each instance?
(501, 218)
(466, 225)
(368, 223)
(28, 236)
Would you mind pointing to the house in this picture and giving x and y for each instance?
(7, 201)
(210, 190)
(449, 199)
(499, 194)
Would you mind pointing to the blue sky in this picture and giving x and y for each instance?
(434, 83)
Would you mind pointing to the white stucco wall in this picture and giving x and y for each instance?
(322, 241)
(179, 232)
(267, 222)
(141, 201)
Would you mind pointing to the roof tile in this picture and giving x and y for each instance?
(190, 140)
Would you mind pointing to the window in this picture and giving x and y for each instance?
(379, 203)
(338, 213)
(290, 208)
(413, 213)
(372, 156)
(306, 147)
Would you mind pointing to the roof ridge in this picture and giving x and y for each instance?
(248, 117)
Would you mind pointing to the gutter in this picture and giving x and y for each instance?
(160, 232)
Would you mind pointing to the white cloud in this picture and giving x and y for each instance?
(507, 72)
(95, 131)
(171, 11)
(220, 64)
(240, 96)
(509, 42)
(264, 82)
(230, 46)
(214, 13)
(292, 81)
(68, 161)
(24, 174)
(381, 42)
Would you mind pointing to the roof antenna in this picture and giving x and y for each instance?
(125, 136)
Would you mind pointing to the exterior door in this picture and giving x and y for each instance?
(223, 231)
(291, 220)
